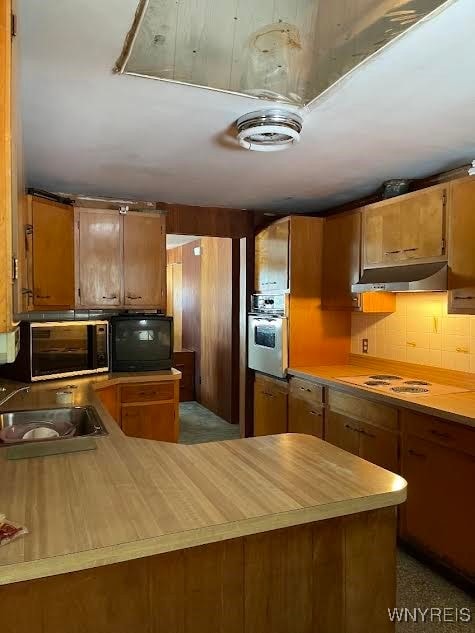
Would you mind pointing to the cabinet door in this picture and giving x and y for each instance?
(99, 258)
(305, 417)
(155, 421)
(53, 254)
(272, 257)
(341, 261)
(144, 260)
(342, 431)
(379, 446)
(270, 410)
(423, 225)
(382, 235)
(461, 247)
(439, 515)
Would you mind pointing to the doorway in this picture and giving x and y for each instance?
(203, 298)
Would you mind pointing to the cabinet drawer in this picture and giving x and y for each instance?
(442, 432)
(306, 389)
(271, 385)
(148, 392)
(364, 410)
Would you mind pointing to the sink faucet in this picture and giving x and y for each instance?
(10, 394)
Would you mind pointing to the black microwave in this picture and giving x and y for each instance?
(60, 349)
(141, 342)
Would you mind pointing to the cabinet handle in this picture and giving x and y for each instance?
(43, 296)
(416, 454)
(441, 434)
(317, 413)
(111, 297)
(351, 428)
(305, 389)
(410, 250)
(355, 299)
(464, 298)
(392, 252)
(366, 433)
(266, 393)
(133, 297)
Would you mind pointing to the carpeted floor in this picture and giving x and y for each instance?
(198, 424)
(419, 586)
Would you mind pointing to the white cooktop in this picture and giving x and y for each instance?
(401, 386)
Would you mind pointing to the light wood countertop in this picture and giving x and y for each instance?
(132, 498)
(457, 407)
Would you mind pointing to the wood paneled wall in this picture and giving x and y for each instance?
(208, 221)
(210, 309)
(191, 306)
(6, 296)
(217, 326)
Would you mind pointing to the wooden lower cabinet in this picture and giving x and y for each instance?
(184, 361)
(306, 408)
(379, 446)
(305, 417)
(342, 431)
(439, 515)
(150, 410)
(156, 421)
(270, 406)
(364, 428)
(332, 576)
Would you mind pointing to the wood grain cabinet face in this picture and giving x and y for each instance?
(270, 406)
(144, 261)
(99, 258)
(439, 515)
(272, 258)
(121, 259)
(405, 229)
(341, 268)
(341, 261)
(52, 227)
(150, 410)
(150, 421)
(364, 428)
(306, 409)
(462, 247)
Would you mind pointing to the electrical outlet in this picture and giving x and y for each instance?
(364, 346)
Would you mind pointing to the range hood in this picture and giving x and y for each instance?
(409, 278)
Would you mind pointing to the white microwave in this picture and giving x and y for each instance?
(9, 346)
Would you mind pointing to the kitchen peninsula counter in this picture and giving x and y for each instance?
(277, 498)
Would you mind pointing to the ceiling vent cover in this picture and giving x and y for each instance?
(269, 130)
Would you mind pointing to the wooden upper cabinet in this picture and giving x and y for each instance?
(144, 260)
(341, 268)
(341, 261)
(99, 258)
(272, 257)
(405, 229)
(462, 247)
(52, 244)
(382, 235)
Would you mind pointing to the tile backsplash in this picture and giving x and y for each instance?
(420, 331)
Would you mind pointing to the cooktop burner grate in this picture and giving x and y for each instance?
(403, 389)
(377, 383)
(385, 377)
(417, 382)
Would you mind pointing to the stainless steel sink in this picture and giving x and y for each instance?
(85, 420)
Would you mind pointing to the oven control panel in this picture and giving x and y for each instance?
(269, 304)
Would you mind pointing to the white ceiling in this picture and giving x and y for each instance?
(409, 111)
(173, 241)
